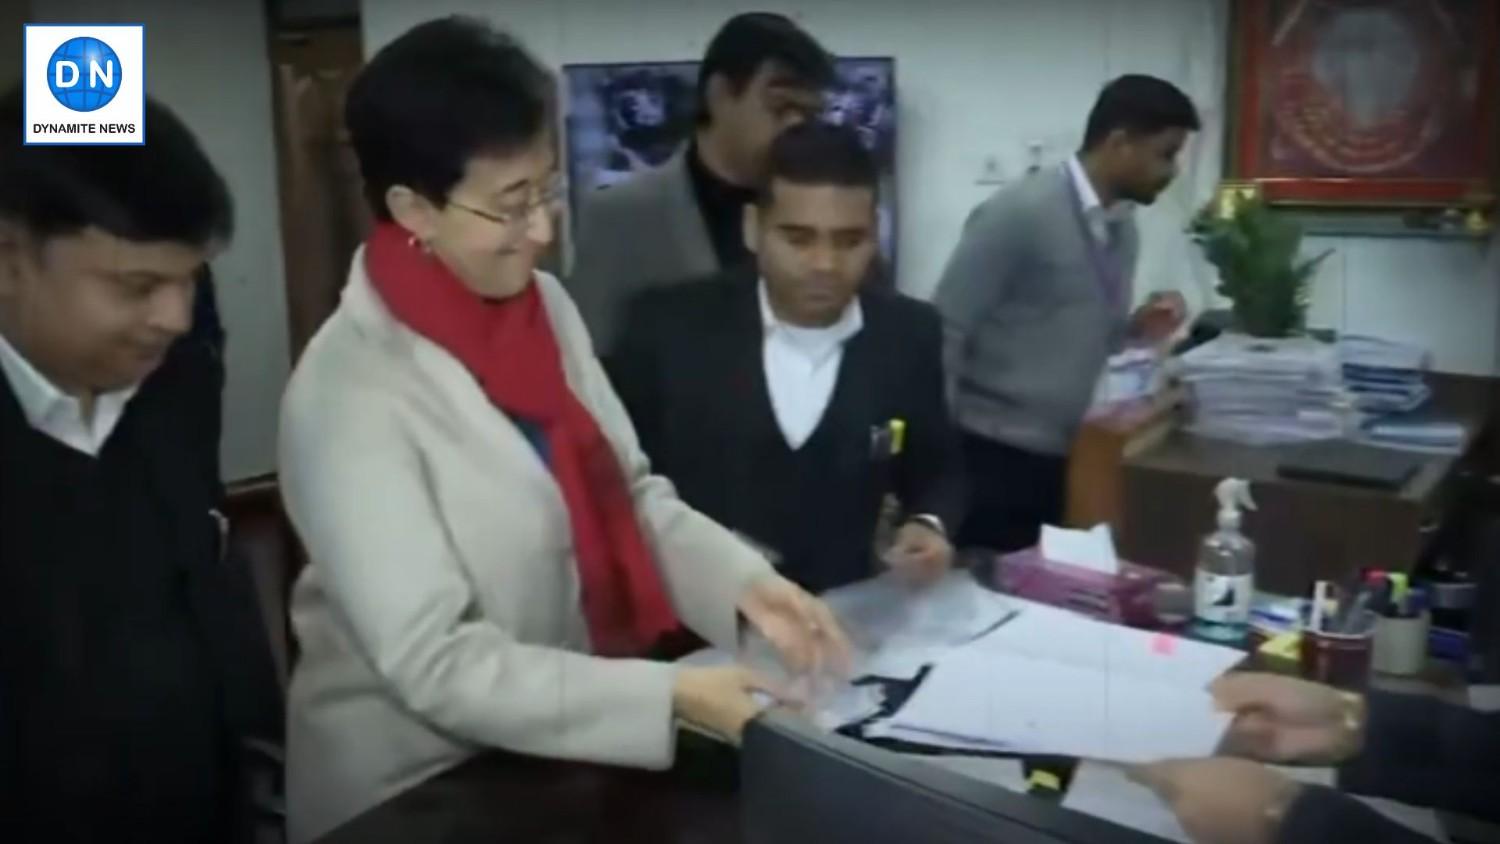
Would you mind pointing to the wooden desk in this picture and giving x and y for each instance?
(502, 797)
(1304, 531)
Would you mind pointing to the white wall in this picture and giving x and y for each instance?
(985, 77)
(209, 63)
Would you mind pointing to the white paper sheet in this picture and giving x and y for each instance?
(1087, 549)
(830, 707)
(896, 628)
(1049, 633)
(1021, 704)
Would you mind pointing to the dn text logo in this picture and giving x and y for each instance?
(85, 84)
(84, 74)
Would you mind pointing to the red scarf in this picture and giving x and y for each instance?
(509, 348)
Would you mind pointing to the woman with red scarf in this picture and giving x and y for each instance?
(490, 555)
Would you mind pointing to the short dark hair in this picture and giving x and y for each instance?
(163, 190)
(1141, 105)
(748, 41)
(440, 94)
(818, 153)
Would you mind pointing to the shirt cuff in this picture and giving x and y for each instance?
(929, 520)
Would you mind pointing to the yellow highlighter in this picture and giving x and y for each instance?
(898, 435)
(1044, 780)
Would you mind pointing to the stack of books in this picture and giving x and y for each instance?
(1266, 392)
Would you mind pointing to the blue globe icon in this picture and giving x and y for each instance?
(84, 74)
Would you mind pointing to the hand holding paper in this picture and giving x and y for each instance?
(919, 555)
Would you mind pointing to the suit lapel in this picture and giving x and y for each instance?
(685, 218)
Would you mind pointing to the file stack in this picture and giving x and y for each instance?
(1266, 392)
(1384, 376)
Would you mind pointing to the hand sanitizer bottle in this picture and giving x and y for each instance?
(1224, 583)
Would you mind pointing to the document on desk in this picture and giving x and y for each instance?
(830, 707)
(896, 628)
(1054, 682)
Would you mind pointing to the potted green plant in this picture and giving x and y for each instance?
(1258, 253)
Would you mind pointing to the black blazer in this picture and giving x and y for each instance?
(170, 430)
(689, 368)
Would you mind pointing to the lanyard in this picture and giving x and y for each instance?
(1106, 259)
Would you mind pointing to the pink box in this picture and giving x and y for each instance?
(1128, 597)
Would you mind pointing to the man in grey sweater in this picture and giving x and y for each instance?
(1036, 297)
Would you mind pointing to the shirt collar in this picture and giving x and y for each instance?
(39, 398)
(44, 404)
(849, 323)
(1081, 183)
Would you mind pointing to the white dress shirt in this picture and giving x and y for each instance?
(57, 414)
(1101, 219)
(802, 367)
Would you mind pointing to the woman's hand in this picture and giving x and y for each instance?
(800, 627)
(718, 700)
(1222, 801)
(1282, 719)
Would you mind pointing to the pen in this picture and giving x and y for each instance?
(1320, 595)
(1001, 622)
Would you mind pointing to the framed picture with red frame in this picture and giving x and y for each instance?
(1367, 102)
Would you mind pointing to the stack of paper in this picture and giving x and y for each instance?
(1385, 376)
(1265, 392)
(1058, 683)
(1417, 433)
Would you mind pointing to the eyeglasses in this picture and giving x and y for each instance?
(546, 197)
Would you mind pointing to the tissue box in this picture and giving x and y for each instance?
(1127, 597)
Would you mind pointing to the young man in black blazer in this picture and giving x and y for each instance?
(786, 403)
(132, 659)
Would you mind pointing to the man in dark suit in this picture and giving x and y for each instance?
(787, 404)
(681, 221)
(133, 660)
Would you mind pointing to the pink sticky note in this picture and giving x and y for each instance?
(1163, 644)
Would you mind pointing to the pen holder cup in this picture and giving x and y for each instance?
(1400, 646)
(1341, 660)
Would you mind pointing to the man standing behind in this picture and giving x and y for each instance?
(784, 402)
(682, 220)
(1035, 299)
(132, 659)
